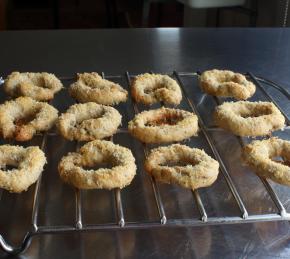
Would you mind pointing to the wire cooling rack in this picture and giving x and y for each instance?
(203, 219)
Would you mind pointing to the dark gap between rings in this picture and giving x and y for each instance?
(79, 123)
(281, 160)
(93, 83)
(99, 166)
(165, 119)
(178, 163)
(149, 90)
(23, 120)
(9, 167)
(229, 79)
(255, 113)
(39, 82)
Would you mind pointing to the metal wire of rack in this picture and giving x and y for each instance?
(164, 221)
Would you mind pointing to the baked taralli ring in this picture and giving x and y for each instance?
(23, 117)
(179, 164)
(163, 125)
(227, 84)
(260, 155)
(39, 86)
(245, 118)
(88, 121)
(91, 154)
(152, 88)
(91, 87)
(28, 163)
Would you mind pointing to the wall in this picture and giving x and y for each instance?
(270, 14)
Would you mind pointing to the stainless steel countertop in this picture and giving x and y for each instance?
(261, 51)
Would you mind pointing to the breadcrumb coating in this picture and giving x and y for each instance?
(245, 118)
(179, 164)
(163, 125)
(89, 121)
(121, 173)
(227, 84)
(23, 117)
(91, 87)
(39, 86)
(153, 88)
(260, 155)
(29, 164)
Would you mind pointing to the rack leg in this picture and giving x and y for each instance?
(16, 250)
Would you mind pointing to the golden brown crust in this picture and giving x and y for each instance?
(29, 162)
(89, 121)
(166, 165)
(91, 154)
(23, 117)
(249, 118)
(227, 84)
(39, 86)
(259, 154)
(163, 125)
(153, 88)
(91, 87)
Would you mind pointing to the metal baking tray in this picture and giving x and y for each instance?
(238, 195)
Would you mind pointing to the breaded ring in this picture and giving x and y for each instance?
(259, 154)
(249, 118)
(179, 164)
(91, 154)
(39, 86)
(163, 125)
(89, 121)
(227, 84)
(91, 87)
(23, 117)
(153, 88)
(29, 162)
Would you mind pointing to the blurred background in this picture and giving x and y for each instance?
(70, 14)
